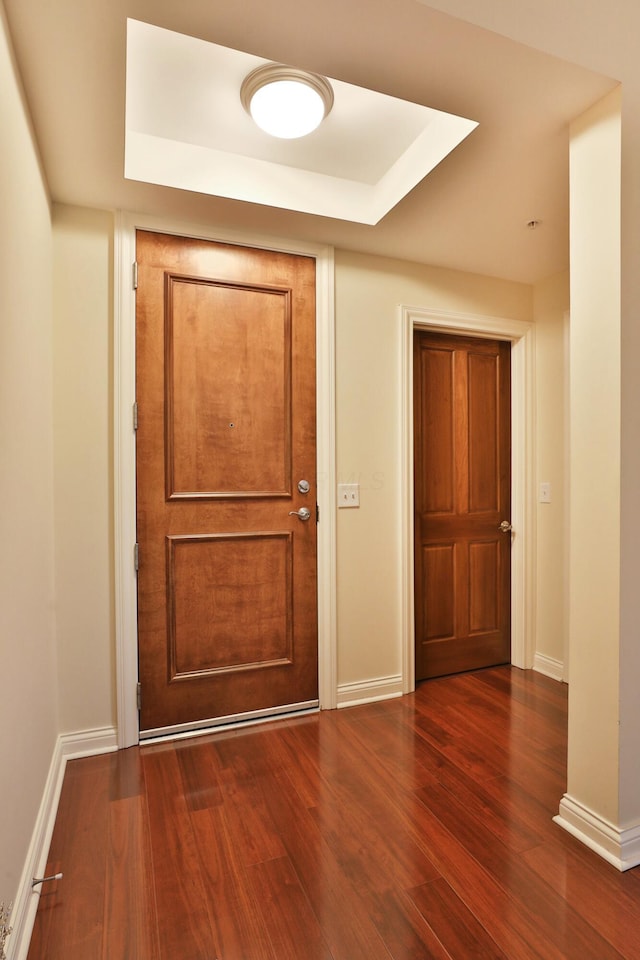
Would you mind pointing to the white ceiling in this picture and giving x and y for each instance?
(470, 213)
(186, 127)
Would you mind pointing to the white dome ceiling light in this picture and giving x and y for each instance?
(286, 102)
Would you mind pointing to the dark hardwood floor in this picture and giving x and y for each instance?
(409, 829)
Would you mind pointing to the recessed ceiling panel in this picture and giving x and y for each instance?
(186, 128)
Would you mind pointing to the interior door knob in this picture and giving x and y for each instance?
(302, 514)
(505, 527)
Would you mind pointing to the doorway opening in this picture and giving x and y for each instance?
(520, 334)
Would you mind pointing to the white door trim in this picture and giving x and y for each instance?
(521, 336)
(125, 462)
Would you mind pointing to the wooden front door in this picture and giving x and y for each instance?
(462, 455)
(225, 381)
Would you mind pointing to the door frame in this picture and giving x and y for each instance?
(521, 336)
(124, 451)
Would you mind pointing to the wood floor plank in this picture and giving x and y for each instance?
(535, 718)
(538, 766)
(507, 809)
(360, 812)
(607, 899)
(79, 850)
(514, 930)
(185, 927)
(505, 816)
(291, 924)
(245, 766)
(126, 776)
(456, 738)
(522, 814)
(130, 924)
(406, 933)
(333, 892)
(196, 759)
(239, 930)
(303, 750)
(375, 854)
(554, 919)
(484, 713)
(453, 922)
(410, 761)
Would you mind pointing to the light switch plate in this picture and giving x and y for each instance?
(545, 492)
(348, 495)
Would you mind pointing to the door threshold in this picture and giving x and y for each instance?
(198, 728)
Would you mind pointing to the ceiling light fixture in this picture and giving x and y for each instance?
(286, 102)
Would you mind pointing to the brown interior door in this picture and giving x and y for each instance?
(462, 455)
(225, 381)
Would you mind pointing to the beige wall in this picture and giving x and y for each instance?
(595, 459)
(83, 465)
(629, 650)
(28, 703)
(550, 308)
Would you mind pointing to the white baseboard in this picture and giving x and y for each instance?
(548, 666)
(368, 691)
(88, 743)
(68, 746)
(620, 847)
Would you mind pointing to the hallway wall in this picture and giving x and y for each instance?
(82, 390)
(29, 699)
(551, 313)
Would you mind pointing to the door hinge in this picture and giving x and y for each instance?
(134, 275)
(317, 513)
(136, 557)
(135, 415)
(139, 696)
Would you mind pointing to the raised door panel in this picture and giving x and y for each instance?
(439, 590)
(482, 437)
(435, 413)
(484, 581)
(228, 399)
(229, 602)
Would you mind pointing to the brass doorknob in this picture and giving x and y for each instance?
(505, 527)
